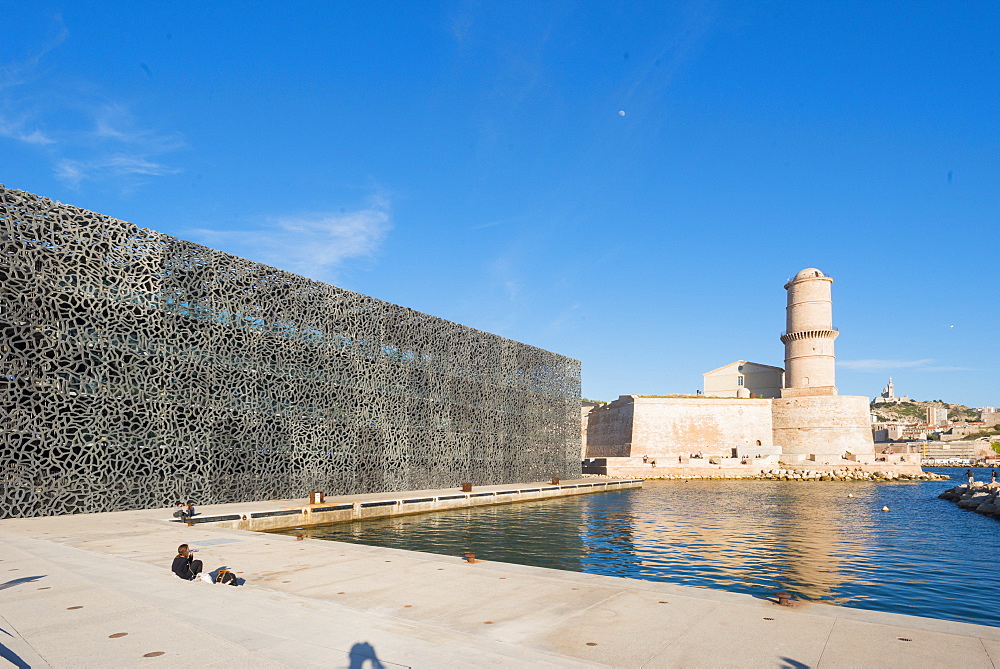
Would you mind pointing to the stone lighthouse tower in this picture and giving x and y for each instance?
(810, 421)
(809, 335)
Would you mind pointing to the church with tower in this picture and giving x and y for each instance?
(888, 395)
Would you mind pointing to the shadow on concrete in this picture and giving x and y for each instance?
(363, 654)
(19, 581)
(793, 603)
(789, 663)
(12, 657)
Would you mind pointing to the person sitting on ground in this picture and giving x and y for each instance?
(179, 511)
(184, 565)
(188, 511)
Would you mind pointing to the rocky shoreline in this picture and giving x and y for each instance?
(979, 497)
(847, 475)
(810, 475)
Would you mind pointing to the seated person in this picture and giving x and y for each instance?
(184, 565)
(184, 512)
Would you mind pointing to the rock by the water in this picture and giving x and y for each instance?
(979, 497)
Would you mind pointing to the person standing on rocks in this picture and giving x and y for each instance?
(972, 477)
(993, 476)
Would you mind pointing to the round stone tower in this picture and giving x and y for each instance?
(809, 335)
(810, 422)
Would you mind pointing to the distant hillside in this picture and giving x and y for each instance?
(909, 411)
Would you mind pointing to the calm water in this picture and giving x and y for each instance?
(923, 557)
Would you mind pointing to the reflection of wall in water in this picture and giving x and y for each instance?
(608, 525)
(547, 533)
(759, 534)
(730, 527)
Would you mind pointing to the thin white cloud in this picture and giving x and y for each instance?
(74, 172)
(876, 365)
(567, 320)
(22, 132)
(504, 273)
(312, 245)
(499, 221)
(660, 71)
(85, 134)
(114, 123)
(16, 73)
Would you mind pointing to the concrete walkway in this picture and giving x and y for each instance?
(96, 591)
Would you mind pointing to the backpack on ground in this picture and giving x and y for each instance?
(226, 576)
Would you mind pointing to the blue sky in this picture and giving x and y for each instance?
(626, 183)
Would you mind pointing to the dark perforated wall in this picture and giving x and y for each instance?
(139, 370)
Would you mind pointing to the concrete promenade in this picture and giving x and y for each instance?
(96, 591)
(292, 513)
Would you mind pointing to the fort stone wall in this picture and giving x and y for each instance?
(609, 430)
(665, 426)
(824, 427)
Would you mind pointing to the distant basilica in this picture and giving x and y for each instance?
(888, 396)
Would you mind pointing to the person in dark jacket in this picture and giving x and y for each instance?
(972, 477)
(184, 565)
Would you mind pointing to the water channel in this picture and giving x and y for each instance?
(924, 556)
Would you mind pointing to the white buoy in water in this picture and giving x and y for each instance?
(850, 494)
(885, 508)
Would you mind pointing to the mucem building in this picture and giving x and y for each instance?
(139, 370)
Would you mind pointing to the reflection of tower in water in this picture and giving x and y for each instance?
(756, 537)
(810, 533)
(815, 547)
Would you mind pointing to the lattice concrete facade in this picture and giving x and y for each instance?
(139, 369)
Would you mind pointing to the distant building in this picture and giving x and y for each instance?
(962, 429)
(964, 451)
(744, 379)
(937, 416)
(985, 410)
(888, 395)
(899, 432)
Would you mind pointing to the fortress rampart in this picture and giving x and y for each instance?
(809, 423)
